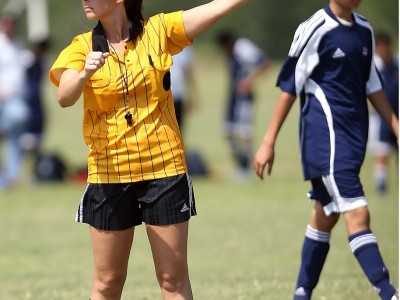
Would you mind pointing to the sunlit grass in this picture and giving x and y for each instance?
(244, 244)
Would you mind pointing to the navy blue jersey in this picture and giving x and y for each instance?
(330, 67)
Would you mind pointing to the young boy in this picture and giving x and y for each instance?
(330, 67)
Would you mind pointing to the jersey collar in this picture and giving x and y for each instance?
(333, 16)
(99, 41)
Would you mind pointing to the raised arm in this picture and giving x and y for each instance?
(199, 18)
(265, 153)
(382, 106)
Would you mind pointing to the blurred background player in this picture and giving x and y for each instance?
(31, 138)
(184, 92)
(382, 138)
(13, 110)
(246, 63)
(182, 84)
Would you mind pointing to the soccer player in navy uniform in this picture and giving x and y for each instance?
(330, 68)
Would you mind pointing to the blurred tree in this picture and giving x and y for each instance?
(270, 23)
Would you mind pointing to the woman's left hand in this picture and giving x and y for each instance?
(95, 60)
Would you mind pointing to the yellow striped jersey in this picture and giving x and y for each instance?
(135, 82)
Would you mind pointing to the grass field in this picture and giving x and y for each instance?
(244, 244)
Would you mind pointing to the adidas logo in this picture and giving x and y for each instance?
(300, 292)
(376, 289)
(338, 53)
(184, 208)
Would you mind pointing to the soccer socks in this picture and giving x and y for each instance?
(365, 248)
(313, 255)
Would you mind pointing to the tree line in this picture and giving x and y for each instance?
(270, 23)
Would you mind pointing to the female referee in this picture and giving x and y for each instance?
(136, 163)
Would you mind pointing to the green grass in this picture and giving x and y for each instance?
(244, 244)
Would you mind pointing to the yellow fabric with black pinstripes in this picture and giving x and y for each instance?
(152, 147)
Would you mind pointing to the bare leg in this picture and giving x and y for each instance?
(169, 247)
(357, 220)
(111, 251)
(320, 221)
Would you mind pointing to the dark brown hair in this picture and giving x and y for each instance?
(133, 10)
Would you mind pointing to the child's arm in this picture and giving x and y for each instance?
(382, 106)
(265, 153)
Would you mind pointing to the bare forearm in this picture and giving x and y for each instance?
(266, 153)
(198, 19)
(71, 87)
(279, 115)
(72, 82)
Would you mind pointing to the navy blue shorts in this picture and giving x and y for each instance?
(119, 206)
(338, 192)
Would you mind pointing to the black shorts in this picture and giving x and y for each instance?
(119, 206)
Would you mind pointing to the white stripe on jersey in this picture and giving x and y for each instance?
(307, 48)
(305, 30)
(313, 88)
(373, 84)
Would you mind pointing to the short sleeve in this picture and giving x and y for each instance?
(72, 57)
(286, 78)
(171, 25)
(302, 59)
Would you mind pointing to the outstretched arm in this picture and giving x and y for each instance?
(382, 106)
(199, 18)
(265, 153)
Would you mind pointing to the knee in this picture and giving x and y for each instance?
(357, 220)
(109, 284)
(171, 281)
